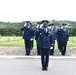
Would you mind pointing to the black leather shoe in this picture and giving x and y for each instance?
(42, 69)
(45, 69)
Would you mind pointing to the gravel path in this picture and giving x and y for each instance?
(20, 51)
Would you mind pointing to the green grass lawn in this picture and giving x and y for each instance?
(14, 43)
(20, 42)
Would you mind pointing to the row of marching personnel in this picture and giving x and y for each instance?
(45, 35)
(45, 38)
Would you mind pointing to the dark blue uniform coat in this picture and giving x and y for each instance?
(44, 44)
(62, 38)
(28, 34)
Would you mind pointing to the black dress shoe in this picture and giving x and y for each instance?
(42, 69)
(45, 69)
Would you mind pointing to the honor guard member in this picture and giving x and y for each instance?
(37, 38)
(58, 42)
(32, 41)
(27, 36)
(53, 36)
(44, 42)
(62, 37)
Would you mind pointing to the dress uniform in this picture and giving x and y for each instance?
(44, 43)
(62, 37)
(58, 42)
(32, 41)
(37, 38)
(27, 36)
(53, 34)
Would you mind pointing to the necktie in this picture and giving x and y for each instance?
(45, 30)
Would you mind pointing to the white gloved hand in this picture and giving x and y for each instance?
(41, 25)
(24, 24)
(37, 26)
(31, 39)
(51, 47)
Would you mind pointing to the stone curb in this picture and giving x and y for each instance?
(36, 57)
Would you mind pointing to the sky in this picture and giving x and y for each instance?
(35, 10)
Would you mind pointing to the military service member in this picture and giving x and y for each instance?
(32, 41)
(37, 38)
(62, 37)
(58, 42)
(44, 42)
(27, 36)
(53, 37)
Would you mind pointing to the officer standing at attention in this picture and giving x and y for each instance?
(37, 38)
(58, 42)
(27, 36)
(62, 37)
(32, 41)
(53, 36)
(44, 42)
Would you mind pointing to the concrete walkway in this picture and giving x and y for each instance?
(32, 66)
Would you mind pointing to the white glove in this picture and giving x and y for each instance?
(31, 39)
(51, 47)
(41, 25)
(37, 26)
(24, 24)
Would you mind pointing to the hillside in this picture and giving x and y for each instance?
(8, 28)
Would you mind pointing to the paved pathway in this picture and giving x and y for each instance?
(32, 66)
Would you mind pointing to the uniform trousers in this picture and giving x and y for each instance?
(44, 57)
(63, 47)
(27, 46)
